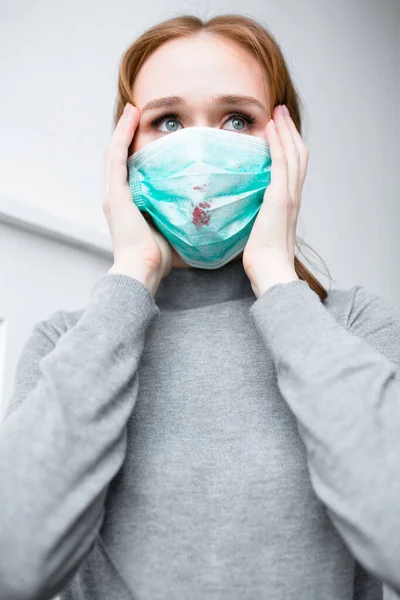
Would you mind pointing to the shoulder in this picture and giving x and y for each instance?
(357, 306)
(42, 340)
(53, 327)
(368, 315)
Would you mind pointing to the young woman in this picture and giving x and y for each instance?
(214, 424)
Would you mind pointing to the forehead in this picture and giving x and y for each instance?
(199, 66)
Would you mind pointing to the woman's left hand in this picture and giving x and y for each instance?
(268, 257)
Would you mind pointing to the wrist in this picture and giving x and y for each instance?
(261, 285)
(148, 278)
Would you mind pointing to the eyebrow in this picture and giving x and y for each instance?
(170, 101)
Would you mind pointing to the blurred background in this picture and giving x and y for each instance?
(58, 76)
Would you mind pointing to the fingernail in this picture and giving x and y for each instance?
(285, 110)
(272, 124)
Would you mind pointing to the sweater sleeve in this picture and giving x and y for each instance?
(64, 436)
(342, 385)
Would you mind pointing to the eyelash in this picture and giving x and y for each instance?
(168, 115)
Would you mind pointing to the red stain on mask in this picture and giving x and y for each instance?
(200, 188)
(200, 214)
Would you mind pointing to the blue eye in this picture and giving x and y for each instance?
(169, 121)
(240, 122)
(170, 124)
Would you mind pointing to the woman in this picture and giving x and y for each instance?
(204, 432)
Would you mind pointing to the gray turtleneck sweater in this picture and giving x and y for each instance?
(204, 444)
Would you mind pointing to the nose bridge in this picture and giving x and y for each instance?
(202, 119)
(201, 112)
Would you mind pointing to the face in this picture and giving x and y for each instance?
(202, 80)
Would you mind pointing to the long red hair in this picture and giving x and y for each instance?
(252, 36)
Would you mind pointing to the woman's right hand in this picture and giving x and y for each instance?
(139, 249)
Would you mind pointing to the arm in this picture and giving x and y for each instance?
(64, 436)
(343, 387)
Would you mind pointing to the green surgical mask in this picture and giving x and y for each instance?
(203, 188)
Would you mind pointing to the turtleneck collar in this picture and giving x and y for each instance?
(188, 287)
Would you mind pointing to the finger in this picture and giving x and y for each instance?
(301, 148)
(279, 166)
(118, 149)
(290, 149)
(270, 227)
